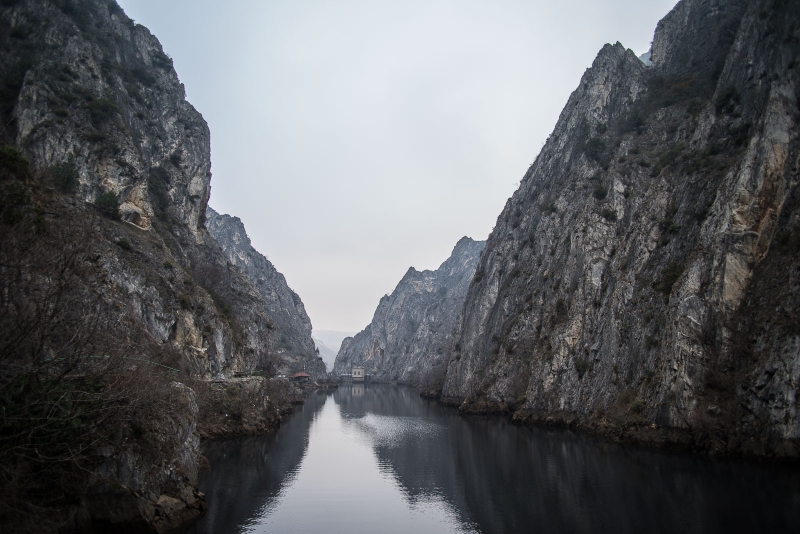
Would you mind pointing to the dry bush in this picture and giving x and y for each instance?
(79, 378)
(242, 406)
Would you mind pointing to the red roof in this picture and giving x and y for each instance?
(300, 375)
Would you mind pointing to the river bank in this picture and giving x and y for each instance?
(377, 457)
(623, 424)
(231, 408)
(250, 405)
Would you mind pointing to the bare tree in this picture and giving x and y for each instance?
(78, 375)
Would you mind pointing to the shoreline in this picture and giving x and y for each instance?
(278, 399)
(710, 443)
(717, 443)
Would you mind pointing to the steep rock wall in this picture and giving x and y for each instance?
(412, 329)
(642, 280)
(291, 340)
(108, 273)
(98, 92)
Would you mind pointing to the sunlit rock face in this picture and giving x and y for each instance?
(291, 337)
(646, 270)
(412, 329)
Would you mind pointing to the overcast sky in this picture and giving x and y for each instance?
(356, 138)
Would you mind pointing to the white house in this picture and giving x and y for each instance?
(358, 374)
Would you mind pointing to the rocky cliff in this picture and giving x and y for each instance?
(292, 346)
(98, 97)
(114, 296)
(643, 280)
(412, 329)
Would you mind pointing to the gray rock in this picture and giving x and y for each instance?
(291, 338)
(101, 93)
(86, 87)
(646, 270)
(412, 329)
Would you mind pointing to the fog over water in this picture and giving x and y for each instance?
(358, 138)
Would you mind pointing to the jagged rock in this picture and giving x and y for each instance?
(99, 92)
(247, 405)
(291, 339)
(647, 268)
(99, 117)
(412, 329)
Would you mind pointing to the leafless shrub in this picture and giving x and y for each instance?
(247, 405)
(78, 376)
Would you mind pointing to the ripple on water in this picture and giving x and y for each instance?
(394, 431)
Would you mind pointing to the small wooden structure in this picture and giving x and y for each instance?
(300, 377)
(358, 374)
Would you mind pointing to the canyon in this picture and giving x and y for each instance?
(122, 316)
(642, 283)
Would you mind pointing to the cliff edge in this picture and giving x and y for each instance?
(643, 280)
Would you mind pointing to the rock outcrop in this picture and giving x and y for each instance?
(292, 345)
(98, 94)
(116, 300)
(327, 354)
(643, 280)
(412, 329)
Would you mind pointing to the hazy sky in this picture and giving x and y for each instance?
(356, 138)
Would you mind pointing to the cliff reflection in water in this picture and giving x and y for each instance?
(502, 478)
(379, 458)
(247, 473)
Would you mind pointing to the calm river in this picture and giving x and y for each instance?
(377, 458)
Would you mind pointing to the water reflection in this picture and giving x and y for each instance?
(248, 473)
(378, 458)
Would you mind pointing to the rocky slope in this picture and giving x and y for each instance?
(97, 93)
(292, 345)
(412, 329)
(327, 354)
(114, 296)
(644, 279)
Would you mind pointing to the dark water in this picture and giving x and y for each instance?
(378, 458)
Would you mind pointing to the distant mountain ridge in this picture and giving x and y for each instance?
(328, 342)
(411, 331)
(327, 354)
(331, 338)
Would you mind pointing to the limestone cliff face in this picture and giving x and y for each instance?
(100, 89)
(646, 271)
(291, 339)
(412, 329)
(98, 92)
(104, 182)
